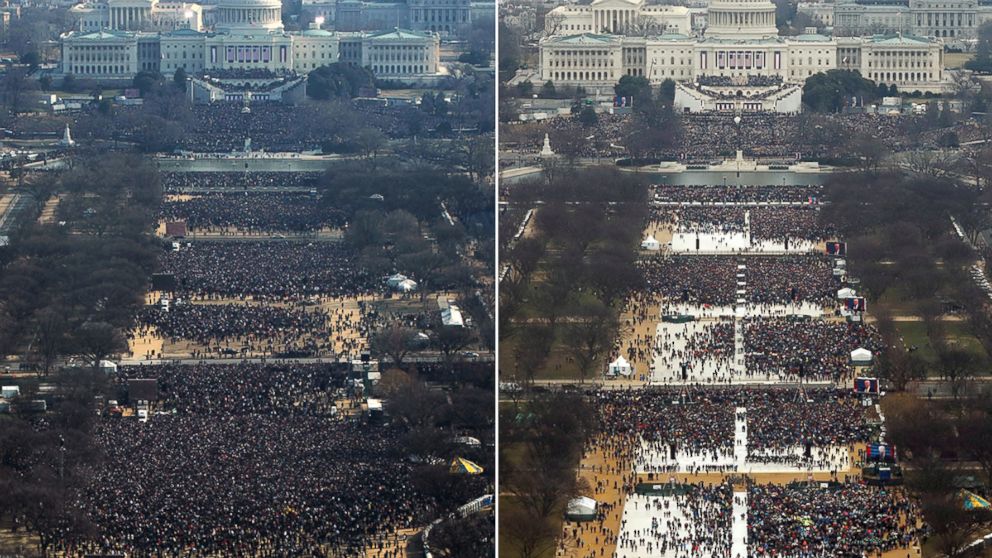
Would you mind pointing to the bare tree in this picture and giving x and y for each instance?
(644, 26)
(395, 341)
(554, 22)
(95, 341)
(530, 536)
(953, 527)
(930, 163)
(591, 335)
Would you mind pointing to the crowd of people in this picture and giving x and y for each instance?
(277, 127)
(252, 212)
(687, 524)
(267, 269)
(763, 223)
(270, 389)
(182, 182)
(224, 127)
(251, 459)
(805, 348)
(736, 194)
(709, 138)
(714, 279)
(701, 421)
(253, 325)
(808, 519)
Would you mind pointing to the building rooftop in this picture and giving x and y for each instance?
(584, 39)
(317, 33)
(398, 34)
(898, 39)
(104, 35)
(811, 38)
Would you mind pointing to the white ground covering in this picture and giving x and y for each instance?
(646, 518)
(695, 240)
(743, 310)
(655, 458)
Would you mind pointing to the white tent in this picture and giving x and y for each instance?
(582, 508)
(452, 316)
(650, 243)
(108, 366)
(406, 286)
(845, 293)
(468, 441)
(620, 367)
(10, 392)
(395, 280)
(861, 356)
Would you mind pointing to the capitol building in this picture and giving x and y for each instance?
(739, 62)
(246, 38)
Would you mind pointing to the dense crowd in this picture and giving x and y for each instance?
(222, 127)
(277, 127)
(272, 269)
(849, 520)
(252, 212)
(180, 182)
(817, 349)
(736, 194)
(701, 421)
(754, 80)
(809, 520)
(244, 389)
(708, 138)
(714, 279)
(764, 223)
(261, 325)
(248, 460)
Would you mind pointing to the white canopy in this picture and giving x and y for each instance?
(620, 367)
(582, 507)
(406, 285)
(845, 293)
(650, 243)
(861, 355)
(468, 441)
(395, 280)
(452, 316)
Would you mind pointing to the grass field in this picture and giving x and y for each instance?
(558, 366)
(914, 334)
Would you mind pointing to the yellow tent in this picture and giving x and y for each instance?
(462, 466)
(973, 501)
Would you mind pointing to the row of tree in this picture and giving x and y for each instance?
(569, 278)
(541, 443)
(72, 289)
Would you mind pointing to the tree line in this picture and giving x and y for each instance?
(571, 275)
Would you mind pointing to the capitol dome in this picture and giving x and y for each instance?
(741, 19)
(245, 15)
